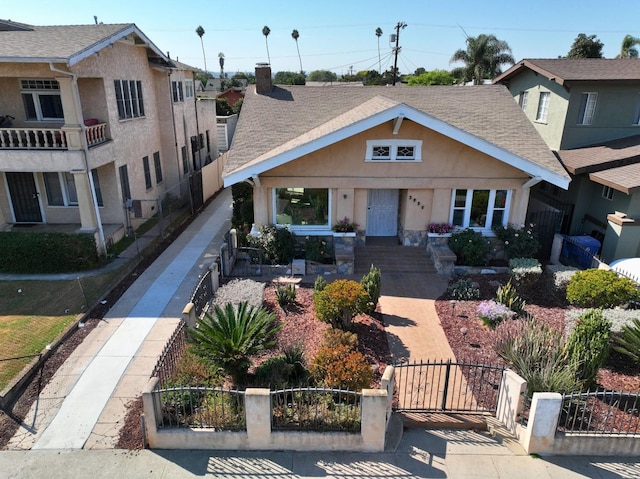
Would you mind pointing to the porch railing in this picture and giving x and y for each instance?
(47, 138)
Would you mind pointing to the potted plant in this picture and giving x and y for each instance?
(345, 226)
(440, 230)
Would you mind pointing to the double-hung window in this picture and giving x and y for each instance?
(587, 108)
(543, 106)
(188, 88)
(524, 97)
(129, 98)
(147, 172)
(394, 150)
(42, 100)
(176, 90)
(157, 166)
(479, 209)
(61, 188)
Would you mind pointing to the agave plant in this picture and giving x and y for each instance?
(231, 335)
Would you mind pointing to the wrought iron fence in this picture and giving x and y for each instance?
(447, 386)
(200, 407)
(316, 409)
(202, 293)
(249, 262)
(170, 354)
(601, 412)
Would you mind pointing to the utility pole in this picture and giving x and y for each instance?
(399, 26)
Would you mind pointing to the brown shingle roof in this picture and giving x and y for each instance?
(290, 116)
(606, 155)
(578, 69)
(625, 178)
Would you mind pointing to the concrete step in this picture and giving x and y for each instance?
(441, 420)
(392, 259)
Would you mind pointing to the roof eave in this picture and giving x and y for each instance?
(33, 60)
(526, 64)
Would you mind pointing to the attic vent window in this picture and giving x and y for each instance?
(394, 150)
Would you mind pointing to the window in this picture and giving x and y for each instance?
(543, 106)
(185, 160)
(129, 98)
(60, 188)
(481, 209)
(96, 186)
(587, 108)
(157, 166)
(147, 172)
(188, 88)
(607, 192)
(301, 206)
(394, 150)
(41, 99)
(524, 97)
(176, 90)
(636, 116)
(124, 183)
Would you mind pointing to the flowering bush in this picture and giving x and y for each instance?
(440, 228)
(470, 247)
(493, 313)
(345, 226)
(519, 241)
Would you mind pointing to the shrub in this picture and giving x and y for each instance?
(238, 290)
(336, 337)
(284, 370)
(193, 370)
(372, 283)
(231, 335)
(285, 294)
(507, 295)
(519, 241)
(341, 366)
(493, 313)
(463, 290)
(525, 271)
(278, 244)
(242, 217)
(339, 302)
(469, 247)
(618, 318)
(588, 345)
(561, 275)
(319, 284)
(628, 342)
(599, 288)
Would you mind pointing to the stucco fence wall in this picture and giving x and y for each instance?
(375, 414)
(540, 435)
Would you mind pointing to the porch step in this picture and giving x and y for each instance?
(393, 259)
(442, 420)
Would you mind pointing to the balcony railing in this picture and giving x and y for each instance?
(46, 138)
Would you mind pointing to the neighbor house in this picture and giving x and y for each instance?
(588, 112)
(99, 128)
(391, 160)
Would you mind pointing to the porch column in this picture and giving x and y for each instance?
(260, 205)
(71, 127)
(519, 204)
(88, 219)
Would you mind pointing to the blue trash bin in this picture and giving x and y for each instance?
(579, 250)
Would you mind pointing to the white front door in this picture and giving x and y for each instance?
(382, 213)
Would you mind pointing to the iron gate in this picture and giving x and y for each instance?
(446, 386)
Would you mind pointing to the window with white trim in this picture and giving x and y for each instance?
(176, 91)
(479, 209)
(188, 88)
(147, 172)
(41, 99)
(607, 192)
(301, 207)
(60, 188)
(129, 98)
(522, 101)
(543, 106)
(394, 150)
(587, 108)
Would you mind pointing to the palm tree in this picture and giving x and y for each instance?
(200, 32)
(483, 57)
(221, 60)
(295, 35)
(379, 34)
(627, 49)
(266, 31)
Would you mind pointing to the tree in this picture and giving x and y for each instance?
(266, 31)
(379, 34)
(627, 49)
(289, 78)
(434, 77)
(295, 35)
(200, 32)
(221, 61)
(586, 47)
(483, 58)
(223, 108)
(323, 76)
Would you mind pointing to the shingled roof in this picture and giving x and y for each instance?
(291, 121)
(610, 154)
(563, 70)
(67, 44)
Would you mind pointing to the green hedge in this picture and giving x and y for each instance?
(36, 253)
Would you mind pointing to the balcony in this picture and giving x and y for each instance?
(48, 138)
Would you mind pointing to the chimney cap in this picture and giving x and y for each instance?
(262, 64)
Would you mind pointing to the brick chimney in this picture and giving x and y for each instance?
(263, 78)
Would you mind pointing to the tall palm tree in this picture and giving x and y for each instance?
(221, 61)
(379, 34)
(200, 32)
(628, 48)
(266, 31)
(295, 35)
(483, 57)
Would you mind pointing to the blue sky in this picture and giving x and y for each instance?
(338, 35)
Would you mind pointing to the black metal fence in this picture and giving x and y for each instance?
(202, 293)
(249, 262)
(170, 354)
(441, 386)
(316, 409)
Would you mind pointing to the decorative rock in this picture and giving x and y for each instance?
(487, 271)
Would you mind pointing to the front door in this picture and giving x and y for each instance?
(382, 213)
(24, 197)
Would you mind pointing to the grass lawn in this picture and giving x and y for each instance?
(34, 313)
